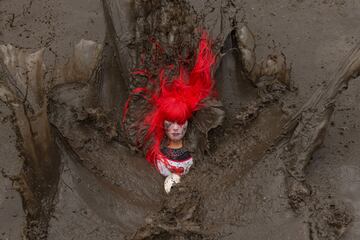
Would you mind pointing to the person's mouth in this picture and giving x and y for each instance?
(175, 134)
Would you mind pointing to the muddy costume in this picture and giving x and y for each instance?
(173, 101)
(179, 161)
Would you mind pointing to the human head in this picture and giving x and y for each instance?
(175, 131)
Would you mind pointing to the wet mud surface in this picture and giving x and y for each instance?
(276, 153)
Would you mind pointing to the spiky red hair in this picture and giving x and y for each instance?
(178, 99)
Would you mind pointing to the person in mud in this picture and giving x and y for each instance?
(174, 158)
(174, 101)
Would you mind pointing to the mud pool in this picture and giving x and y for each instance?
(276, 155)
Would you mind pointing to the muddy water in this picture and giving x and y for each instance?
(240, 188)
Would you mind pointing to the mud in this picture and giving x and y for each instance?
(276, 152)
(11, 164)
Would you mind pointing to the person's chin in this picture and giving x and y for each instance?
(176, 138)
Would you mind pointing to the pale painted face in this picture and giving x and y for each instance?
(175, 131)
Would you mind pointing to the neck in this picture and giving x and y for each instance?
(175, 144)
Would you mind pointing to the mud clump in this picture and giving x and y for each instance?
(179, 218)
(329, 220)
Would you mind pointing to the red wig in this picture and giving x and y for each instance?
(176, 99)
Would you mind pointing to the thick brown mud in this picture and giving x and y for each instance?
(276, 154)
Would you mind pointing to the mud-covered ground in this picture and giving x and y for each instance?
(68, 173)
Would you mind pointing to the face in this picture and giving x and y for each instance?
(175, 131)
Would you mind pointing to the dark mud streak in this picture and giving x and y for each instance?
(37, 182)
(42, 183)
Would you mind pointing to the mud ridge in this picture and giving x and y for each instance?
(37, 182)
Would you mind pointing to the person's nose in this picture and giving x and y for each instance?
(176, 127)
